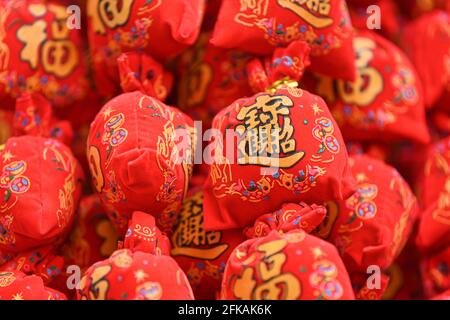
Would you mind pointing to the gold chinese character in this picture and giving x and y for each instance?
(303, 9)
(59, 27)
(277, 285)
(59, 57)
(258, 7)
(320, 6)
(369, 82)
(58, 54)
(32, 35)
(189, 238)
(267, 132)
(251, 12)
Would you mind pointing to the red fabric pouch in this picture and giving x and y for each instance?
(261, 26)
(288, 148)
(41, 186)
(202, 254)
(372, 226)
(135, 276)
(286, 263)
(6, 125)
(39, 53)
(139, 149)
(159, 28)
(18, 286)
(385, 98)
(141, 271)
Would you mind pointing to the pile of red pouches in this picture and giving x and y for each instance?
(223, 149)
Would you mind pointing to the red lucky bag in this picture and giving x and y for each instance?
(159, 28)
(41, 186)
(289, 148)
(261, 26)
(139, 149)
(39, 53)
(202, 254)
(432, 61)
(286, 263)
(141, 271)
(385, 99)
(17, 286)
(372, 226)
